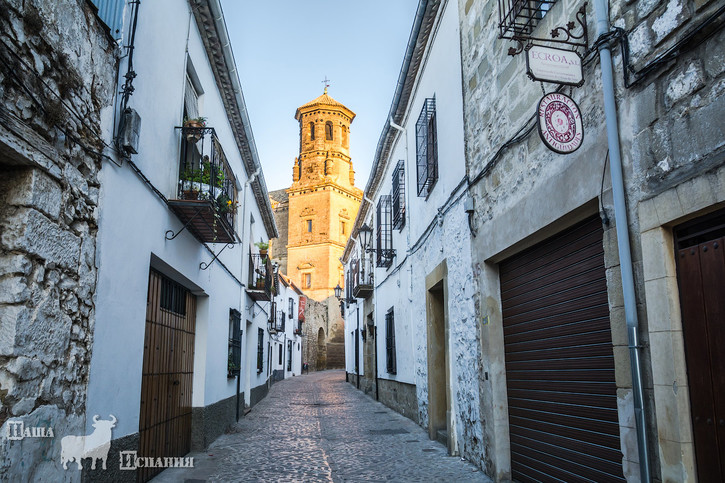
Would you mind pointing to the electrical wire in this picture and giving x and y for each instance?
(603, 213)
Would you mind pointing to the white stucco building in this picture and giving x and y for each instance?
(183, 295)
(285, 329)
(416, 314)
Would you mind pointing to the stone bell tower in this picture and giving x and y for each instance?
(323, 200)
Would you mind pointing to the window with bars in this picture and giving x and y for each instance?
(384, 222)
(519, 18)
(399, 196)
(234, 356)
(280, 355)
(260, 350)
(291, 307)
(426, 148)
(289, 355)
(173, 296)
(391, 362)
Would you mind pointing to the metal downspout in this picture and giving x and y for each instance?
(625, 255)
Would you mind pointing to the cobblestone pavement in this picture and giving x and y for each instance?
(318, 427)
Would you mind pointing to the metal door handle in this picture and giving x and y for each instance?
(176, 383)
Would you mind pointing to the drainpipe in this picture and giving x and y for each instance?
(625, 255)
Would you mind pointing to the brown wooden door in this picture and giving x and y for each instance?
(562, 396)
(168, 365)
(701, 279)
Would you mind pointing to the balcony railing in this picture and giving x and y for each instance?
(206, 197)
(259, 286)
(362, 278)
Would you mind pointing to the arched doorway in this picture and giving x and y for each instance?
(321, 350)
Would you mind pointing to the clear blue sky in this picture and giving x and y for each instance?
(284, 49)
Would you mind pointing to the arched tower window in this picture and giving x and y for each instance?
(312, 131)
(328, 131)
(344, 136)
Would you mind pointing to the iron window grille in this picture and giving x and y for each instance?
(272, 322)
(426, 148)
(399, 196)
(281, 320)
(280, 355)
(384, 220)
(260, 350)
(260, 275)
(390, 359)
(289, 355)
(291, 307)
(234, 356)
(519, 18)
(173, 296)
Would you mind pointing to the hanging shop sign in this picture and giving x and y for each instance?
(560, 123)
(301, 308)
(548, 64)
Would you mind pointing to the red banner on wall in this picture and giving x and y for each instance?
(301, 308)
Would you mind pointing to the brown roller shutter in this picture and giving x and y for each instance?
(559, 361)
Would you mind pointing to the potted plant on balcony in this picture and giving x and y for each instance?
(198, 123)
(189, 189)
(226, 204)
(232, 367)
(263, 248)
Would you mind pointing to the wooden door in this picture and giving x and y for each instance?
(168, 365)
(562, 396)
(701, 280)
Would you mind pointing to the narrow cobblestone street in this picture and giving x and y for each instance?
(317, 427)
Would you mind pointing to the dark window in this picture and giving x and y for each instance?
(518, 18)
(234, 357)
(173, 296)
(307, 280)
(328, 131)
(289, 355)
(344, 136)
(260, 350)
(291, 303)
(342, 228)
(312, 131)
(426, 148)
(399, 196)
(391, 362)
(384, 221)
(280, 355)
(309, 226)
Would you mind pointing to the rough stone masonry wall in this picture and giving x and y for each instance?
(671, 132)
(57, 71)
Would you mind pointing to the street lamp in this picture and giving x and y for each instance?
(338, 295)
(365, 233)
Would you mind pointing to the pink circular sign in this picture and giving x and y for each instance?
(560, 123)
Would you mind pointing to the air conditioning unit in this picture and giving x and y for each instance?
(130, 130)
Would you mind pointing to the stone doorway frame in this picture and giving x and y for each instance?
(438, 347)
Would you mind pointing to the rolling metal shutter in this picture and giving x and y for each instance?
(559, 361)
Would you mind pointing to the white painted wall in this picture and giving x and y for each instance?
(428, 239)
(133, 221)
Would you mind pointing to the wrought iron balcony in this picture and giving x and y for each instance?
(259, 286)
(518, 18)
(206, 198)
(298, 328)
(362, 278)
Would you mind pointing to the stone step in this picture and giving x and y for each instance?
(442, 437)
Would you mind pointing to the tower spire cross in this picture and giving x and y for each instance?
(326, 81)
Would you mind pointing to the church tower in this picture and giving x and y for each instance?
(323, 200)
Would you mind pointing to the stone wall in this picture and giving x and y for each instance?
(278, 246)
(57, 74)
(672, 144)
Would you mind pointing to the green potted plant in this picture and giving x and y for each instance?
(263, 248)
(197, 123)
(189, 190)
